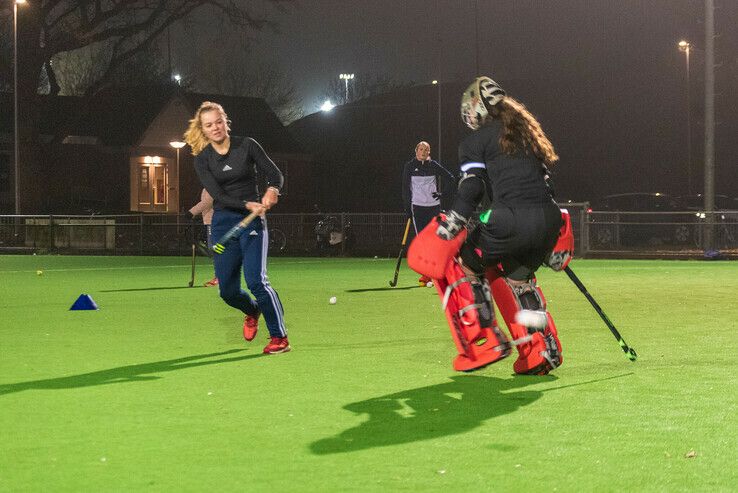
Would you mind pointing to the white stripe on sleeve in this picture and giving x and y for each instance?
(466, 167)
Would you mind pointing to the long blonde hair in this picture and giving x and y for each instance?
(194, 136)
(521, 130)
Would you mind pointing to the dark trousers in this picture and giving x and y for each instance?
(423, 215)
(520, 239)
(248, 252)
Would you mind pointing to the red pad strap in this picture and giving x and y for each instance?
(563, 251)
(429, 255)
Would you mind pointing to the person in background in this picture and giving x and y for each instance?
(204, 208)
(425, 185)
(228, 168)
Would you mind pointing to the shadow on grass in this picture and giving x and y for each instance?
(429, 412)
(367, 290)
(122, 374)
(435, 411)
(147, 289)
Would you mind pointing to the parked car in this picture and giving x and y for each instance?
(696, 202)
(639, 219)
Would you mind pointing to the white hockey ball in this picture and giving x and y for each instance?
(535, 319)
(429, 284)
(332, 300)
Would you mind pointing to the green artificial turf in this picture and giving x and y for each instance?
(158, 391)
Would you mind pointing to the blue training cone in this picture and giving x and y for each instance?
(84, 302)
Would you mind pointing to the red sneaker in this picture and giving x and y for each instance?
(250, 326)
(277, 345)
(212, 282)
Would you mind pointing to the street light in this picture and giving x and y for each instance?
(177, 146)
(685, 47)
(438, 144)
(16, 148)
(346, 78)
(327, 106)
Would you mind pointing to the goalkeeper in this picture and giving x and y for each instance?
(506, 161)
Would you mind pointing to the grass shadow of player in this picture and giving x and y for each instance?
(429, 412)
(438, 410)
(130, 373)
(367, 290)
(147, 289)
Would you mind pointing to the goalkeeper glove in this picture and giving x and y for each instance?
(451, 225)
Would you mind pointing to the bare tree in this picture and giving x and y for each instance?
(50, 27)
(79, 70)
(229, 65)
(47, 28)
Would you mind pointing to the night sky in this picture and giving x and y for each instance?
(617, 60)
(421, 40)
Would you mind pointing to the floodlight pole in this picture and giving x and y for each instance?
(177, 146)
(686, 47)
(16, 144)
(710, 122)
(346, 78)
(438, 144)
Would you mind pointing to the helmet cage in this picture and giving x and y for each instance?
(473, 108)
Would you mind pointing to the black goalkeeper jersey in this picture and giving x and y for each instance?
(517, 180)
(231, 178)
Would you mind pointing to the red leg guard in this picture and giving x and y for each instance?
(478, 346)
(429, 255)
(542, 353)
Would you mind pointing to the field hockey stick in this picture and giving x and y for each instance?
(393, 282)
(191, 229)
(219, 247)
(629, 351)
(192, 276)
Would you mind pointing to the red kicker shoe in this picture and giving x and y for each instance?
(250, 326)
(277, 345)
(212, 282)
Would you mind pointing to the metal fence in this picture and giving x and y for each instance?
(686, 233)
(356, 234)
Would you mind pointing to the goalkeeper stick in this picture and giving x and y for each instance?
(629, 351)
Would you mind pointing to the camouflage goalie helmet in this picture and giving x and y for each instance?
(473, 109)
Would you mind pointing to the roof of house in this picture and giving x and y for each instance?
(120, 116)
(251, 117)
